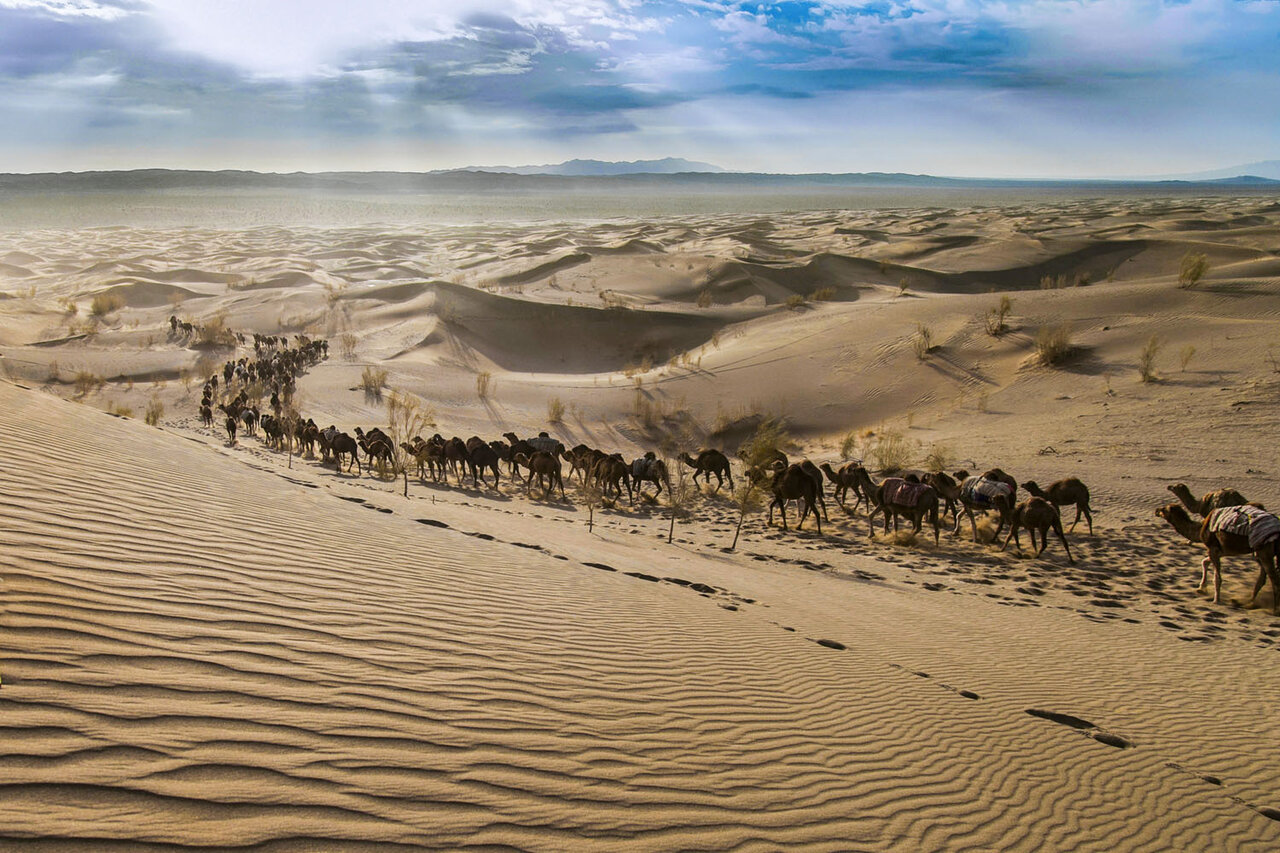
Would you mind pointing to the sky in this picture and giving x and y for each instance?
(1042, 88)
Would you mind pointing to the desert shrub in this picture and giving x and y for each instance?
(849, 445)
(1185, 355)
(155, 411)
(903, 284)
(484, 384)
(994, 320)
(770, 436)
(555, 410)
(406, 417)
(69, 306)
(106, 303)
(87, 382)
(939, 457)
(704, 299)
(823, 294)
(1058, 282)
(1053, 343)
(347, 342)
(1147, 359)
(120, 410)
(214, 333)
(890, 450)
(794, 301)
(373, 380)
(1192, 268)
(922, 341)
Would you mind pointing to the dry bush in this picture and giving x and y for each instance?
(555, 410)
(1053, 343)
(823, 294)
(206, 366)
(1185, 355)
(1147, 359)
(795, 301)
(849, 445)
(704, 299)
(106, 303)
(484, 384)
(373, 380)
(347, 342)
(903, 284)
(69, 306)
(1192, 268)
(155, 411)
(87, 382)
(119, 410)
(215, 333)
(922, 341)
(994, 320)
(939, 457)
(1061, 281)
(770, 436)
(890, 450)
(406, 417)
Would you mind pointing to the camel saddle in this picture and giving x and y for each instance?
(899, 492)
(642, 468)
(542, 442)
(982, 491)
(1259, 525)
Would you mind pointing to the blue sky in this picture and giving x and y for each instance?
(1068, 88)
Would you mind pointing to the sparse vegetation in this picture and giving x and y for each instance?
(347, 342)
(795, 301)
(849, 445)
(922, 341)
(120, 410)
(903, 284)
(87, 382)
(995, 320)
(1147, 359)
(1053, 343)
(214, 333)
(155, 411)
(373, 380)
(823, 294)
(555, 411)
(484, 383)
(1192, 268)
(889, 450)
(106, 303)
(1063, 280)
(406, 417)
(1185, 355)
(939, 457)
(704, 298)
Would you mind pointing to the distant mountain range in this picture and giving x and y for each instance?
(598, 168)
(603, 180)
(1266, 169)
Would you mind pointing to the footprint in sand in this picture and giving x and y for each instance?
(1091, 729)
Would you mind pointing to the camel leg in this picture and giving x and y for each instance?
(1217, 576)
(560, 483)
(871, 525)
(817, 520)
(782, 508)
(974, 524)
(1204, 574)
(1089, 518)
(1013, 534)
(1058, 529)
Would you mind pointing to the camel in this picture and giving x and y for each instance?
(1066, 492)
(649, 469)
(981, 494)
(342, 444)
(1037, 514)
(206, 415)
(948, 489)
(842, 481)
(482, 457)
(1208, 503)
(816, 475)
(899, 497)
(456, 457)
(580, 459)
(1221, 543)
(231, 430)
(709, 462)
(613, 472)
(546, 467)
(791, 482)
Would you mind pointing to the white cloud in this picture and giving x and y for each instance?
(68, 8)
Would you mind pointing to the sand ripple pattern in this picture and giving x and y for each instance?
(200, 655)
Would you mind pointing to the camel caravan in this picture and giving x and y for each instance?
(1224, 522)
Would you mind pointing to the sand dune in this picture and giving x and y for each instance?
(213, 646)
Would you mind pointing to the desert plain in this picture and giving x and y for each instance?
(225, 646)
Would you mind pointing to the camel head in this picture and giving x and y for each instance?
(961, 476)
(1177, 516)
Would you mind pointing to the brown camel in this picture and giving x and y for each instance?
(841, 481)
(612, 472)
(1037, 514)
(709, 462)
(1220, 543)
(791, 482)
(815, 474)
(948, 489)
(1068, 492)
(649, 469)
(547, 468)
(900, 498)
(981, 494)
(1208, 503)
(342, 444)
(580, 459)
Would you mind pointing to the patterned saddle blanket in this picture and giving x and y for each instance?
(1258, 524)
(549, 445)
(984, 492)
(902, 493)
(643, 469)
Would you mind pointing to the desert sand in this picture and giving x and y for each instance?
(214, 645)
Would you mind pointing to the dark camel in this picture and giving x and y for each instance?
(1221, 544)
(926, 504)
(613, 472)
(709, 462)
(546, 467)
(791, 482)
(1037, 514)
(1068, 492)
(1002, 504)
(843, 480)
(649, 469)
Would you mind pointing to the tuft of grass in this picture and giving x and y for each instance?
(106, 303)
(215, 333)
(373, 380)
(994, 321)
(1147, 359)
(795, 301)
(155, 411)
(119, 410)
(1059, 282)
(903, 284)
(1053, 343)
(555, 410)
(1191, 269)
(484, 384)
(849, 445)
(1185, 355)
(704, 299)
(890, 450)
(939, 457)
(87, 382)
(922, 341)
(823, 294)
(347, 342)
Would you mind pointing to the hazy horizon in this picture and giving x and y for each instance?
(963, 88)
